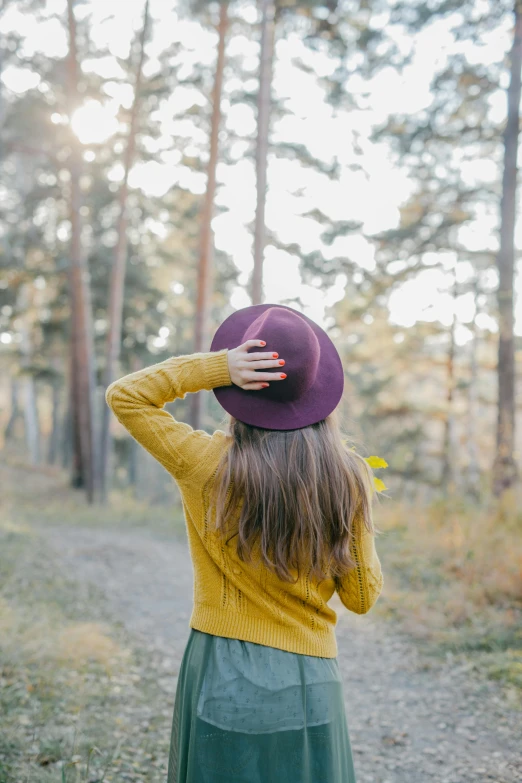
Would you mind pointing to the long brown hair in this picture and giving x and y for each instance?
(295, 494)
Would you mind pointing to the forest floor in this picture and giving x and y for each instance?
(94, 622)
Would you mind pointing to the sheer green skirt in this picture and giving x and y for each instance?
(248, 713)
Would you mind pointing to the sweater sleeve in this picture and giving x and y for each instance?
(360, 588)
(137, 401)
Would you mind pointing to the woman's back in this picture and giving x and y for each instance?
(233, 597)
(293, 495)
(278, 517)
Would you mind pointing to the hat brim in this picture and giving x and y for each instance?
(252, 407)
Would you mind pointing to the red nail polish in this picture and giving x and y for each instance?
(282, 361)
(265, 385)
(262, 342)
(275, 356)
(283, 375)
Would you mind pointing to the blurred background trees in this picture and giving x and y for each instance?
(354, 159)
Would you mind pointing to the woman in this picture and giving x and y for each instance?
(278, 516)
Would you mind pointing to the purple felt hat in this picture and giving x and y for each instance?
(315, 378)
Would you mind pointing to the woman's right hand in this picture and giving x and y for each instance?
(244, 367)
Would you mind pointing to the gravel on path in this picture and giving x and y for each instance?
(411, 719)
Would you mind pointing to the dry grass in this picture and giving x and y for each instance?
(75, 695)
(79, 643)
(36, 496)
(454, 580)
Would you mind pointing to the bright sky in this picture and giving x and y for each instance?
(372, 197)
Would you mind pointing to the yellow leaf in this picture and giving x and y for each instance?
(380, 486)
(376, 462)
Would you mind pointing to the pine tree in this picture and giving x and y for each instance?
(206, 252)
(504, 467)
(434, 146)
(117, 286)
(266, 67)
(82, 349)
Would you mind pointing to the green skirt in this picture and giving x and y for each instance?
(249, 713)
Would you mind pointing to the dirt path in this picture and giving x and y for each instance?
(410, 721)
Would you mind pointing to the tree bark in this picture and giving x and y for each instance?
(82, 347)
(117, 286)
(504, 466)
(449, 469)
(54, 438)
(31, 419)
(15, 409)
(68, 452)
(30, 408)
(263, 124)
(473, 472)
(204, 282)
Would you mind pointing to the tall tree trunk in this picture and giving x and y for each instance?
(119, 264)
(30, 408)
(15, 408)
(263, 124)
(31, 419)
(55, 436)
(449, 470)
(504, 466)
(205, 275)
(82, 346)
(68, 453)
(473, 472)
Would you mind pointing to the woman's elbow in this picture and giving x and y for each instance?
(364, 606)
(112, 395)
(373, 594)
(366, 599)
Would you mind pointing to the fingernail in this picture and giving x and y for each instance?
(275, 356)
(282, 361)
(265, 385)
(283, 375)
(263, 342)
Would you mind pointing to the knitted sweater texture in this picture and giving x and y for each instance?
(232, 598)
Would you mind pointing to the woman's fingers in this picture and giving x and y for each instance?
(254, 386)
(258, 377)
(253, 344)
(263, 365)
(246, 367)
(256, 356)
(258, 380)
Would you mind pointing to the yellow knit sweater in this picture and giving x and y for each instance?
(232, 598)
